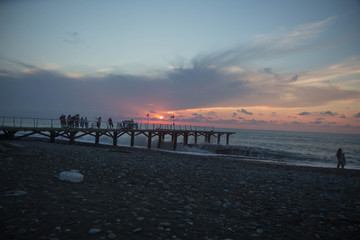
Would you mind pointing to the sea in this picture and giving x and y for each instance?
(295, 148)
(279, 147)
(282, 147)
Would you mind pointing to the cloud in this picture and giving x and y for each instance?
(215, 79)
(244, 111)
(297, 123)
(331, 74)
(211, 113)
(328, 113)
(357, 115)
(267, 46)
(255, 122)
(317, 122)
(72, 38)
(191, 88)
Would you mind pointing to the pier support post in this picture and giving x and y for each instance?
(227, 138)
(132, 139)
(174, 137)
(160, 140)
(207, 137)
(52, 136)
(186, 136)
(9, 135)
(149, 139)
(97, 138)
(218, 138)
(115, 138)
(72, 137)
(195, 137)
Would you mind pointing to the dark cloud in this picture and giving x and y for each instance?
(297, 123)
(211, 113)
(255, 122)
(357, 115)
(201, 86)
(328, 113)
(198, 116)
(244, 112)
(294, 78)
(19, 63)
(317, 122)
(304, 113)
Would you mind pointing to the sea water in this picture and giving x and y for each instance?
(297, 148)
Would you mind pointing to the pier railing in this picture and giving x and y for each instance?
(38, 123)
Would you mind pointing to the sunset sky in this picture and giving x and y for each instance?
(282, 65)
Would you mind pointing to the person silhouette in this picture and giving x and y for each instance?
(341, 161)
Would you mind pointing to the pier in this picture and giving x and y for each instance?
(17, 128)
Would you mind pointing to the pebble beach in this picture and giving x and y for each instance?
(133, 193)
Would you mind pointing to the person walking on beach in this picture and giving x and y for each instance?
(341, 161)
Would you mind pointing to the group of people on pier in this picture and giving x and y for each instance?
(75, 122)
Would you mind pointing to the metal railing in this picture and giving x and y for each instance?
(36, 123)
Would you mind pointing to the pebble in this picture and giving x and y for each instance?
(94, 230)
(154, 195)
(111, 236)
(341, 217)
(15, 193)
(165, 224)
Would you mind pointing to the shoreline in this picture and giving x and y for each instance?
(199, 154)
(139, 193)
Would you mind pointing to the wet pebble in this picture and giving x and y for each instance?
(94, 230)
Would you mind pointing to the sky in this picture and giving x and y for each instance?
(273, 65)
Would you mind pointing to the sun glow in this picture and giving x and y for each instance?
(161, 117)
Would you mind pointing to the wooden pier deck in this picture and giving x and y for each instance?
(51, 128)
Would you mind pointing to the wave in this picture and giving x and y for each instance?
(248, 152)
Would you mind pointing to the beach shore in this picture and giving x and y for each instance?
(131, 193)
